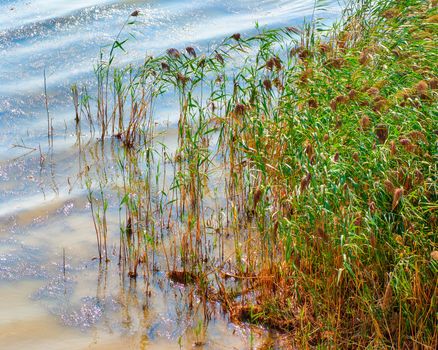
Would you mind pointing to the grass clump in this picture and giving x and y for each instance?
(326, 149)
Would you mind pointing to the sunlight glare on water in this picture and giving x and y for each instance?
(43, 208)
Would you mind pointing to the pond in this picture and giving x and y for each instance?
(54, 293)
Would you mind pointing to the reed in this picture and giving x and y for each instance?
(302, 192)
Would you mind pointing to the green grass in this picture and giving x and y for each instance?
(325, 145)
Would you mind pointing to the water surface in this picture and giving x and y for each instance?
(53, 293)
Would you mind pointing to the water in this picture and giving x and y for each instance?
(44, 214)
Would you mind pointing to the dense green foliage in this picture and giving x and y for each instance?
(328, 144)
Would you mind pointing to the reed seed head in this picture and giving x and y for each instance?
(240, 109)
(393, 149)
(324, 48)
(278, 84)
(174, 53)
(202, 61)
(305, 181)
(390, 188)
(337, 63)
(372, 207)
(365, 122)
(165, 67)
(267, 84)
(294, 30)
(356, 156)
(398, 193)
(433, 83)
(373, 91)
(236, 36)
(191, 51)
(364, 57)
(219, 57)
(313, 104)
(381, 131)
(421, 87)
(182, 79)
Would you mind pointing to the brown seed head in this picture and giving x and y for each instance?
(407, 144)
(293, 30)
(306, 74)
(390, 13)
(313, 104)
(393, 149)
(365, 122)
(333, 105)
(335, 62)
(421, 87)
(236, 36)
(381, 131)
(417, 136)
(372, 207)
(358, 219)
(269, 64)
(324, 48)
(305, 181)
(135, 13)
(380, 104)
(352, 94)
(338, 100)
(303, 54)
(182, 79)
(390, 188)
(202, 61)
(219, 57)
(364, 57)
(387, 297)
(174, 53)
(257, 196)
(239, 110)
(356, 156)
(419, 178)
(267, 84)
(277, 63)
(294, 51)
(433, 83)
(373, 91)
(164, 66)
(191, 51)
(309, 149)
(398, 193)
(341, 99)
(278, 84)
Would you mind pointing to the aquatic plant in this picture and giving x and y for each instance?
(303, 187)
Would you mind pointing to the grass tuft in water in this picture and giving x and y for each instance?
(303, 187)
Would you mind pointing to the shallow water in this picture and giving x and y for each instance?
(53, 293)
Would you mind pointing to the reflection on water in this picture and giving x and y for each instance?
(53, 292)
(60, 286)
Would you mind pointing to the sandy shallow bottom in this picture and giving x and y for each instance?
(54, 294)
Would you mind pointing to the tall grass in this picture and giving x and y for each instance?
(321, 149)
